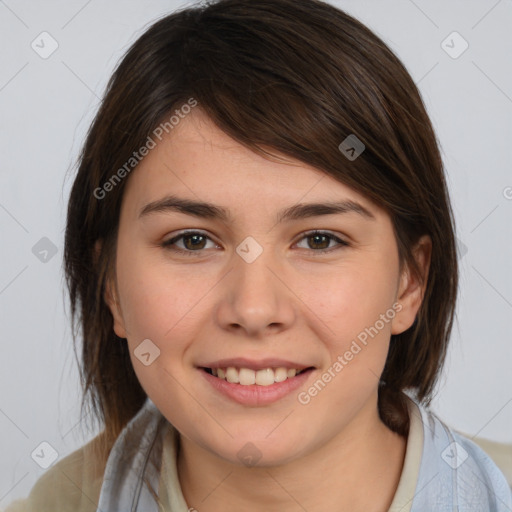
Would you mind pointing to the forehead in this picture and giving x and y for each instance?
(199, 161)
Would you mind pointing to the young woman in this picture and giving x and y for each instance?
(260, 255)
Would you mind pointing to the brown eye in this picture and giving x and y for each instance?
(320, 241)
(194, 241)
(189, 242)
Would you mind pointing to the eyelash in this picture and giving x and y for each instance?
(169, 243)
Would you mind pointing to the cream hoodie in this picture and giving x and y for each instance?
(146, 452)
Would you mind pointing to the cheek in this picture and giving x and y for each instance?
(159, 304)
(158, 301)
(351, 299)
(356, 304)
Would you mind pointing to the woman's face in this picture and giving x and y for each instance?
(252, 288)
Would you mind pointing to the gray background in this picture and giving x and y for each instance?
(47, 104)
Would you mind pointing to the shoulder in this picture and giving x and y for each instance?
(455, 470)
(500, 453)
(71, 485)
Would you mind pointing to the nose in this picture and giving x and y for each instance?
(254, 298)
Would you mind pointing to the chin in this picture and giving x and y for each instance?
(253, 451)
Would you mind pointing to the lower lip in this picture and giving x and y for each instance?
(254, 394)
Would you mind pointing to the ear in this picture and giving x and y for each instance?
(412, 287)
(110, 298)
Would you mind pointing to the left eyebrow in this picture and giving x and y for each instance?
(303, 211)
(210, 211)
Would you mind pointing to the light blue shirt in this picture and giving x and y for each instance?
(455, 475)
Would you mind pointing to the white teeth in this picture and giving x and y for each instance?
(232, 375)
(265, 377)
(280, 374)
(248, 377)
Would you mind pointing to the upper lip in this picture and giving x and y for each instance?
(242, 362)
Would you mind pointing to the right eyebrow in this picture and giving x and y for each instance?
(187, 206)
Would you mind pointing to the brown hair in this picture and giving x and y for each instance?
(295, 77)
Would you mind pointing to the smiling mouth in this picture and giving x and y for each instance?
(249, 377)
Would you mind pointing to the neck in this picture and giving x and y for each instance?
(357, 469)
